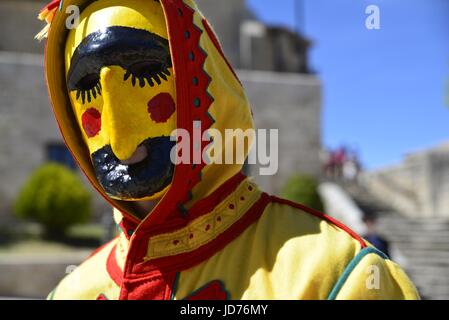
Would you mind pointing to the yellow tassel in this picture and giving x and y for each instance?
(47, 16)
(43, 14)
(43, 33)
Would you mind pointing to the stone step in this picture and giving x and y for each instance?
(423, 225)
(421, 245)
(414, 252)
(425, 277)
(430, 291)
(427, 269)
(429, 241)
(429, 260)
(413, 227)
(440, 297)
(410, 229)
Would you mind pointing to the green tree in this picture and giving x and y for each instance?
(303, 189)
(55, 197)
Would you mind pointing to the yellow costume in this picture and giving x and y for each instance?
(214, 234)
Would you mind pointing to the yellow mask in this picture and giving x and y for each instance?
(122, 90)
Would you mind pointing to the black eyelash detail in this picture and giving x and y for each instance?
(89, 87)
(150, 77)
(89, 93)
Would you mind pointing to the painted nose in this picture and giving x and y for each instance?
(118, 115)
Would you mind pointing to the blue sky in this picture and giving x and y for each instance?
(384, 90)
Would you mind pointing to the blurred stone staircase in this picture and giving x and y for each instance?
(420, 246)
(424, 244)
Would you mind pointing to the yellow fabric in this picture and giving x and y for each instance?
(207, 227)
(393, 283)
(230, 109)
(286, 254)
(89, 280)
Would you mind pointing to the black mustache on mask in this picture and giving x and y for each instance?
(139, 180)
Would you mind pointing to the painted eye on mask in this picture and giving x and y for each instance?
(144, 73)
(144, 56)
(88, 87)
(150, 72)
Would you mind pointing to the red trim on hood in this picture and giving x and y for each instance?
(193, 102)
(188, 63)
(128, 227)
(51, 5)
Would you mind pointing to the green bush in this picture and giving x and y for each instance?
(304, 190)
(55, 197)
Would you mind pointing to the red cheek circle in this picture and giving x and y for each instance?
(161, 107)
(91, 120)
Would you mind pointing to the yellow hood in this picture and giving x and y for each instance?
(207, 90)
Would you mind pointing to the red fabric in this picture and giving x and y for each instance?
(322, 216)
(155, 287)
(127, 226)
(51, 5)
(214, 290)
(113, 268)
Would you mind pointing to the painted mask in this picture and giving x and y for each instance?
(122, 91)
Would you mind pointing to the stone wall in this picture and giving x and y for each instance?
(290, 103)
(27, 125)
(278, 50)
(418, 187)
(19, 25)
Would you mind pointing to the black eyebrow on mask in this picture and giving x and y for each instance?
(116, 45)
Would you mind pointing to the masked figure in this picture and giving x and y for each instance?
(120, 81)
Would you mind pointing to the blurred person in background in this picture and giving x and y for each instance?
(373, 236)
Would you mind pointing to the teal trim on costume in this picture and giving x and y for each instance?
(351, 266)
(175, 286)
